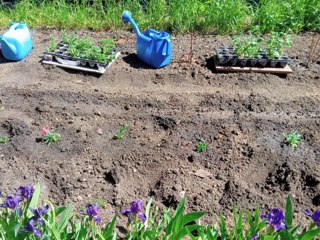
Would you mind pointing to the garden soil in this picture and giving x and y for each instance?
(240, 116)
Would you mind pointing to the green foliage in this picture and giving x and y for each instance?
(53, 45)
(276, 43)
(293, 139)
(201, 146)
(249, 46)
(52, 136)
(179, 16)
(3, 139)
(84, 47)
(62, 223)
(287, 15)
(120, 134)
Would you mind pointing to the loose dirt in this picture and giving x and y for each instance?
(240, 116)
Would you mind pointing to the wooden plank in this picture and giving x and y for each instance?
(284, 70)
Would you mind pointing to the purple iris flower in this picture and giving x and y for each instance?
(276, 219)
(254, 237)
(315, 216)
(135, 210)
(26, 192)
(11, 202)
(31, 227)
(38, 213)
(92, 212)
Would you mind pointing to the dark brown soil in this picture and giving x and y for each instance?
(241, 117)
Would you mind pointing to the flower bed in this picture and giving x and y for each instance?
(22, 218)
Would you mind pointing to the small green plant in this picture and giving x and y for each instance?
(247, 47)
(84, 47)
(201, 147)
(107, 45)
(1, 109)
(276, 44)
(49, 136)
(53, 45)
(293, 139)
(3, 139)
(121, 132)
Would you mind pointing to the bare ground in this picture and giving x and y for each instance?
(241, 117)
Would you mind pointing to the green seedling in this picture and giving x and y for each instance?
(53, 45)
(64, 37)
(1, 109)
(107, 45)
(276, 44)
(201, 147)
(85, 48)
(121, 132)
(3, 139)
(84, 44)
(247, 47)
(293, 139)
(51, 137)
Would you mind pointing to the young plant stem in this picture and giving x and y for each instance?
(313, 48)
(191, 48)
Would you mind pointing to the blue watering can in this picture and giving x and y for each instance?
(153, 47)
(16, 43)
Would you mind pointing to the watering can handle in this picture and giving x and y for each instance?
(166, 47)
(16, 25)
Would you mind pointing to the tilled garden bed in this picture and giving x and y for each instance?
(240, 116)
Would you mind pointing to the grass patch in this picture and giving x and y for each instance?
(179, 16)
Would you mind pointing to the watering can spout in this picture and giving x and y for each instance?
(126, 18)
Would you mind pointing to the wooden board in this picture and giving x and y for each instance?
(284, 70)
(81, 68)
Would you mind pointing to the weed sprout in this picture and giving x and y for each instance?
(201, 147)
(121, 132)
(3, 139)
(293, 139)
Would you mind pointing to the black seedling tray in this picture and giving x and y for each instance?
(62, 56)
(228, 57)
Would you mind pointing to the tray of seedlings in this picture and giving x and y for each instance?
(255, 54)
(81, 53)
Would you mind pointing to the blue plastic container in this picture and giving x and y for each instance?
(16, 43)
(153, 47)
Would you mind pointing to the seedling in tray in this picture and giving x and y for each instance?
(248, 47)
(276, 44)
(53, 45)
(254, 50)
(73, 48)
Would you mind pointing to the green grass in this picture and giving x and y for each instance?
(287, 15)
(178, 16)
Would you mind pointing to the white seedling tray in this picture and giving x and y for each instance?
(100, 70)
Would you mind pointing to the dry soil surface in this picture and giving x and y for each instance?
(240, 116)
